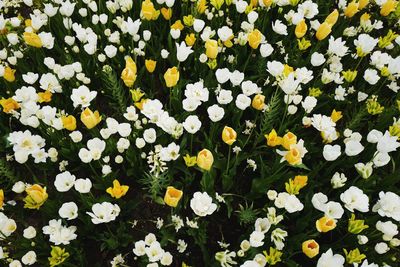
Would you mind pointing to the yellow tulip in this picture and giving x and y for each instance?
(172, 196)
(9, 74)
(32, 39)
(171, 76)
(300, 180)
(137, 94)
(293, 156)
(36, 196)
(323, 31)
(201, 6)
(128, 74)
(1, 198)
(289, 139)
(388, 7)
(190, 39)
(167, 13)
(205, 159)
(211, 48)
(229, 135)
(273, 139)
(9, 105)
(267, 3)
(325, 224)
(69, 122)
(332, 17)
(287, 70)
(28, 23)
(258, 102)
(301, 29)
(140, 104)
(336, 115)
(90, 118)
(254, 38)
(310, 248)
(351, 9)
(177, 25)
(362, 4)
(150, 65)
(45, 96)
(190, 161)
(117, 190)
(148, 9)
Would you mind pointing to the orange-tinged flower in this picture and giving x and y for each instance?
(45, 96)
(289, 139)
(117, 190)
(301, 29)
(301, 180)
(273, 139)
(140, 104)
(90, 118)
(9, 105)
(167, 13)
(205, 159)
(293, 156)
(325, 224)
(310, 248)
(229, 135)
(177, 25)
(1, 198)
(362, 4)
(172, 196)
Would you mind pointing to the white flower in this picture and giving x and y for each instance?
(331, 153)
(29, 258)
(353, 148)
(290, 202)
(64, 181)
(198, 25)
(319, 201)
(68, 210)
(337, 47)
(309, 103)
(150, 135)
(381, 159)
(279, 27)
(328, 259)
(225, 33)
(388, 229)
(139, 249)
(224, 97)
(278, 236)
(242, 101)
(365, 170)
(381, 248)
(183, 51)
(387, 143)
(374, 136)
(59, 234)
(76, 136)
(355, 199)
(371, 76)
(202, 204)
(29, 232)
(104, 212)
(110, 51)
(338, 180)
(30, 77)
(154, 252)
(365, 43)
(266, 50)
(250, 263)
(83, 185)
(262, 225)
(215, 113)
(82, 96)
(236, 77)
(171, 152)
(388, 205)
(192, 124)
(256, 239)
(333, 210)
(222, 75)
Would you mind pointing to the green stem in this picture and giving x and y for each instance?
(229, 158)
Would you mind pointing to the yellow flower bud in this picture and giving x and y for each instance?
(351, 9)
(303, 44)
(140, 104)
(172, 196)
(325, 224)
(211, 48)
(167, 13)
(190, 161)
(150, 65)
(90, 118)
(354, 256)
(171, 76)
(332, 18)
(310, 248)
(9, 74)
(201, 6)
(28, 23)
(301, 29)
(136, 94)
(356, 226)
(362, 4)
(188, 20)
(32, 39)
(205, 159)
(267, 3)
(323, 31)
(36, 196)
(128, 74)
(258, 102)
(217, 4)
(364, 17)
(273, 139)
(289, 139)
(388, 7)
(9, 105)
(287, 70)
(229, 135)
(301, 180)
(254, 38)
(1, 198)
(69, 122)
(177, 25)
(293, 156)
(45, 96)
(349, 75)
(336, 115)
(190, 39)
(117, 190)
(148, 9)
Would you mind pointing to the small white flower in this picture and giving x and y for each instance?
(202, 204)
(68, 210)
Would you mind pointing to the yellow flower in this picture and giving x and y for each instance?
(150, 65)
(9, 74)
(58, 256)
(303, 44)
(356, 226)
(301, 180)
(229, 135)
(128, 74)
(349, 75)
(139, 104)
(188, 20)
(36, 197)
(217, 4)
(293, 156)
(323, 31)
(336, 115)
(354, 256)
(189, 160)
(267, 3)
(273, 257)
(254, 38)
(28, 23)
(205, 159)
(118, 190)
(287, 70)
(289, 139)
(90, 118)
(171, 76)
(167, 13)
(301, 29)
(1, 198)
(388, 7)
(9, 104)
(148, 9)
(332, 18)
(136, 94)
(177, 25)
(211, 48)
(365, 17)
(201, 6)
(362, 4)
(172, 196)
(32, 39)
(310, 248)
(69, 122)
(258, 102)
(190, 39)
(45, 96)
(325, 224)
(351, 9)
(273, 139)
